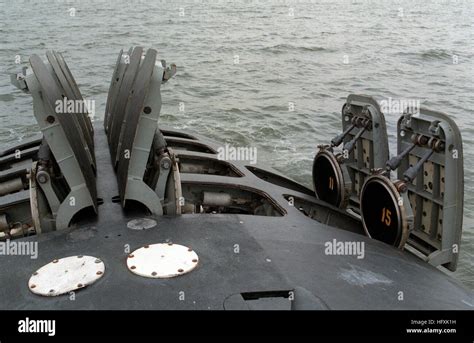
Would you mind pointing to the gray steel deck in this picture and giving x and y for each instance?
(275, 254)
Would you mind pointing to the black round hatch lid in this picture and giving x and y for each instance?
(328, 179)
(382, 212)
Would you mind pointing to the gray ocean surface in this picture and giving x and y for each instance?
(242, 65)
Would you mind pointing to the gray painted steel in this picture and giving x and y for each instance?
(437, 194)
(65, 137)
(70, 94)
(117, 78)
(371, 149)
(69, 123)
(129, 135)
(119, 106)
(277, 255)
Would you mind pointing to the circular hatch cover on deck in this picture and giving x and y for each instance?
(141, 224)
(65, 275)
(163, 260)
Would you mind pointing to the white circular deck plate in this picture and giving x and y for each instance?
(141, 224)
(65, 275)
(163, 260)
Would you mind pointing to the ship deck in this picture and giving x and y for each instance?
(274, 256)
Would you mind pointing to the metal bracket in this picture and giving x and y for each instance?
(44, 181)
(371, 149)
(437, 191)
(68, 135)
(133, 108)
(18, 79)
(174, 194)
(164, 167)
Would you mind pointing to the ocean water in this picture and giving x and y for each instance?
(267, 74)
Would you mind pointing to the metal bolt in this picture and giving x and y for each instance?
(133, 267)
(153, 274)
(195, 261)
(98, 261)
(50, 119)
(165, 164)
(401, 186)
(99, 273)
(42, 178)
(190, 249)
(146, 246)
(79, 285)
(35, 273)
(51, 290)
(180, 270)
(130, 256)
(79, 256)
(170, 244)
(55, 261)
(32, 286)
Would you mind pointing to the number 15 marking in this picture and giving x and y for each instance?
(386, 216)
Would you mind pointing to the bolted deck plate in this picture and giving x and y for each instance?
(141, 224)
(65, 275)
(163, 260)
